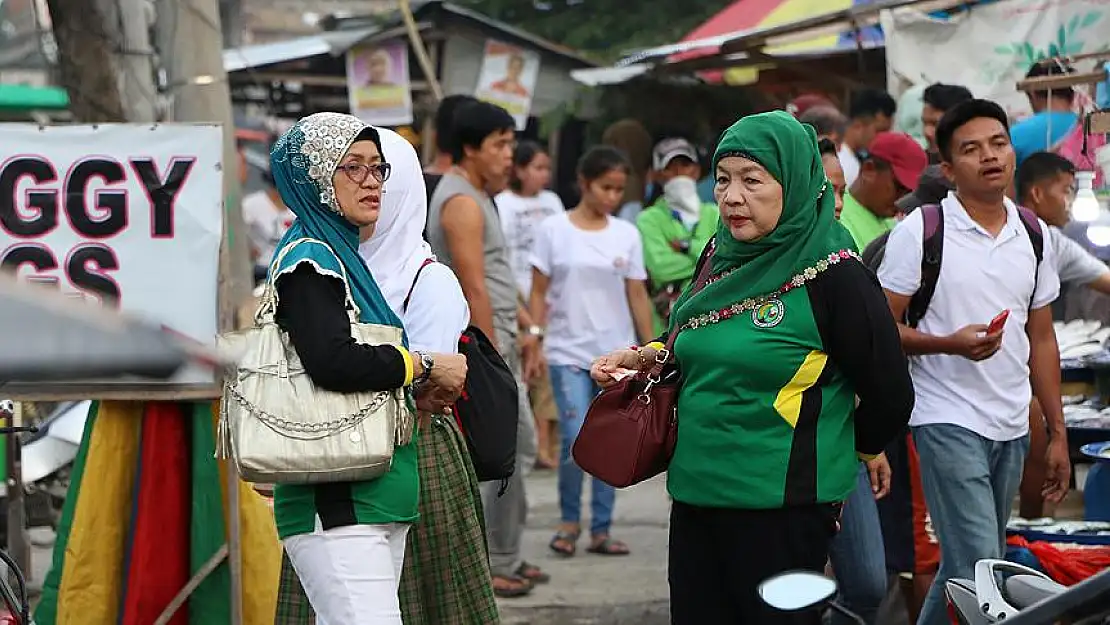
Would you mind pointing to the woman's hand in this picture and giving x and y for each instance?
(448, 375)
(435, 401)
(607, 370)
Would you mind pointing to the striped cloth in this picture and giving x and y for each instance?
(446, 579)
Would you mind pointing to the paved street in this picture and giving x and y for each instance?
(591, 589)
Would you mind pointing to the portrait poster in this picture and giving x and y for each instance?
(508, 79)
(378, 83)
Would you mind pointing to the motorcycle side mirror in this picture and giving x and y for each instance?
(797, 590)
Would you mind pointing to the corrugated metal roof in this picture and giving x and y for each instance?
(424, 11)
(333, 42)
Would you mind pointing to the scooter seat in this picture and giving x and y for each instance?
(1023, 591)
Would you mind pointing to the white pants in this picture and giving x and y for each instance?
(351, 574)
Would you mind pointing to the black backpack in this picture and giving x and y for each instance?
(488, 410)
(932, 249)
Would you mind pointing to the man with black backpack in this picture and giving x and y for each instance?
(979, 325)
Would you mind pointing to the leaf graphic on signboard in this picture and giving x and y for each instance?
(1090, 19)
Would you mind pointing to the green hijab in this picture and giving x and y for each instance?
(807, 230)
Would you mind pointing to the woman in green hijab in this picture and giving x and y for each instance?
(774, 351)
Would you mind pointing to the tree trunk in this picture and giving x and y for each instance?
(86, 63)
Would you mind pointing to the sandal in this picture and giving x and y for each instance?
(509, 587)
(565, 543)
(532, 573)
(607, 546)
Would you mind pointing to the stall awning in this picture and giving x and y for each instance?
(28, 98)
(731, 47)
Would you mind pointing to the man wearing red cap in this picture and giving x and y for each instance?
(889, 169)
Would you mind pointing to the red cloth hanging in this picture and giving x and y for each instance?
(158, 552)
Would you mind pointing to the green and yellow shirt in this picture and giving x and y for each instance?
(786, 430)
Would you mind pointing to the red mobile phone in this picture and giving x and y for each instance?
(998, 322)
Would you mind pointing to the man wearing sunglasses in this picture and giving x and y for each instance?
(889, 169)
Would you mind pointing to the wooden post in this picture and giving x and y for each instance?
(18, 545)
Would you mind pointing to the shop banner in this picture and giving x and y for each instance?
(508, 79)
(124, 215)
(991, 47)
(378, 83)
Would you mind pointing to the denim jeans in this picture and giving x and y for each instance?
(574, 389)
(969, 483)
(857, 554)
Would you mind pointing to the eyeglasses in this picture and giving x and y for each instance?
(358, 172)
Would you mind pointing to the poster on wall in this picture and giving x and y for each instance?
(508, 79)
(378, 83)
(1004, 38)
(126, 216)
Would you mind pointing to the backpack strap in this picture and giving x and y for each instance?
(408, 296)
(1036, 237)
(932, 249)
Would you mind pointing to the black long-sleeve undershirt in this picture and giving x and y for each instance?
(311, 309)
(861, 339)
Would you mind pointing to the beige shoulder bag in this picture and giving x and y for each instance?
(280, 428)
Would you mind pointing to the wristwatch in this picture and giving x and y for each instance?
(536, 331)
(427, 362)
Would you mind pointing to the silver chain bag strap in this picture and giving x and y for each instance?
(280, 428)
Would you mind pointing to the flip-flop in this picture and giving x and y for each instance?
(570, 538)
(532, 573)
(522, 587)
(609, 547)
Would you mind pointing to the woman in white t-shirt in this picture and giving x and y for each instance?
(588, 287)
(522, 207)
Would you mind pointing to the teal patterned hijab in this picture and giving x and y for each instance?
(303, 161)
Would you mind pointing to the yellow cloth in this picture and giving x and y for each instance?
(261, 550)
(93, 574)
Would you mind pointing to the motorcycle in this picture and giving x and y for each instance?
(1019, 595)
(795, 591)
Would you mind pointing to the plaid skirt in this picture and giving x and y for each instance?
(446, 578)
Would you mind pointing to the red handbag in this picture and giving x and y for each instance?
(631, 427)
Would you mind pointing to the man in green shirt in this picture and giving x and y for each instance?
(676, 228)
(889, 170)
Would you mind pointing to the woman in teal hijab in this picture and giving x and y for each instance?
(345, 540)
(774, 351)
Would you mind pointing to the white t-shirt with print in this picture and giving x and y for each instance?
(587, 307)
(980, 276)
(265, 224)
(519, 217)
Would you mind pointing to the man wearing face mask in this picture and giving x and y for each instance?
(676, 228)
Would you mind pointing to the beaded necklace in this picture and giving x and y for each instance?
(766, 310)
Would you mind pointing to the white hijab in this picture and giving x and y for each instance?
(397, 248)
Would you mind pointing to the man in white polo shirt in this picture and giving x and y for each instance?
(970, 422)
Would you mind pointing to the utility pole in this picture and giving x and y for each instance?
(190, 40)
(190, 43)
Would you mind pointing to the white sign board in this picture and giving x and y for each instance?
(990, 48)
(124, 215)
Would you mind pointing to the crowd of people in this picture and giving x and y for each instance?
(832, 365)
